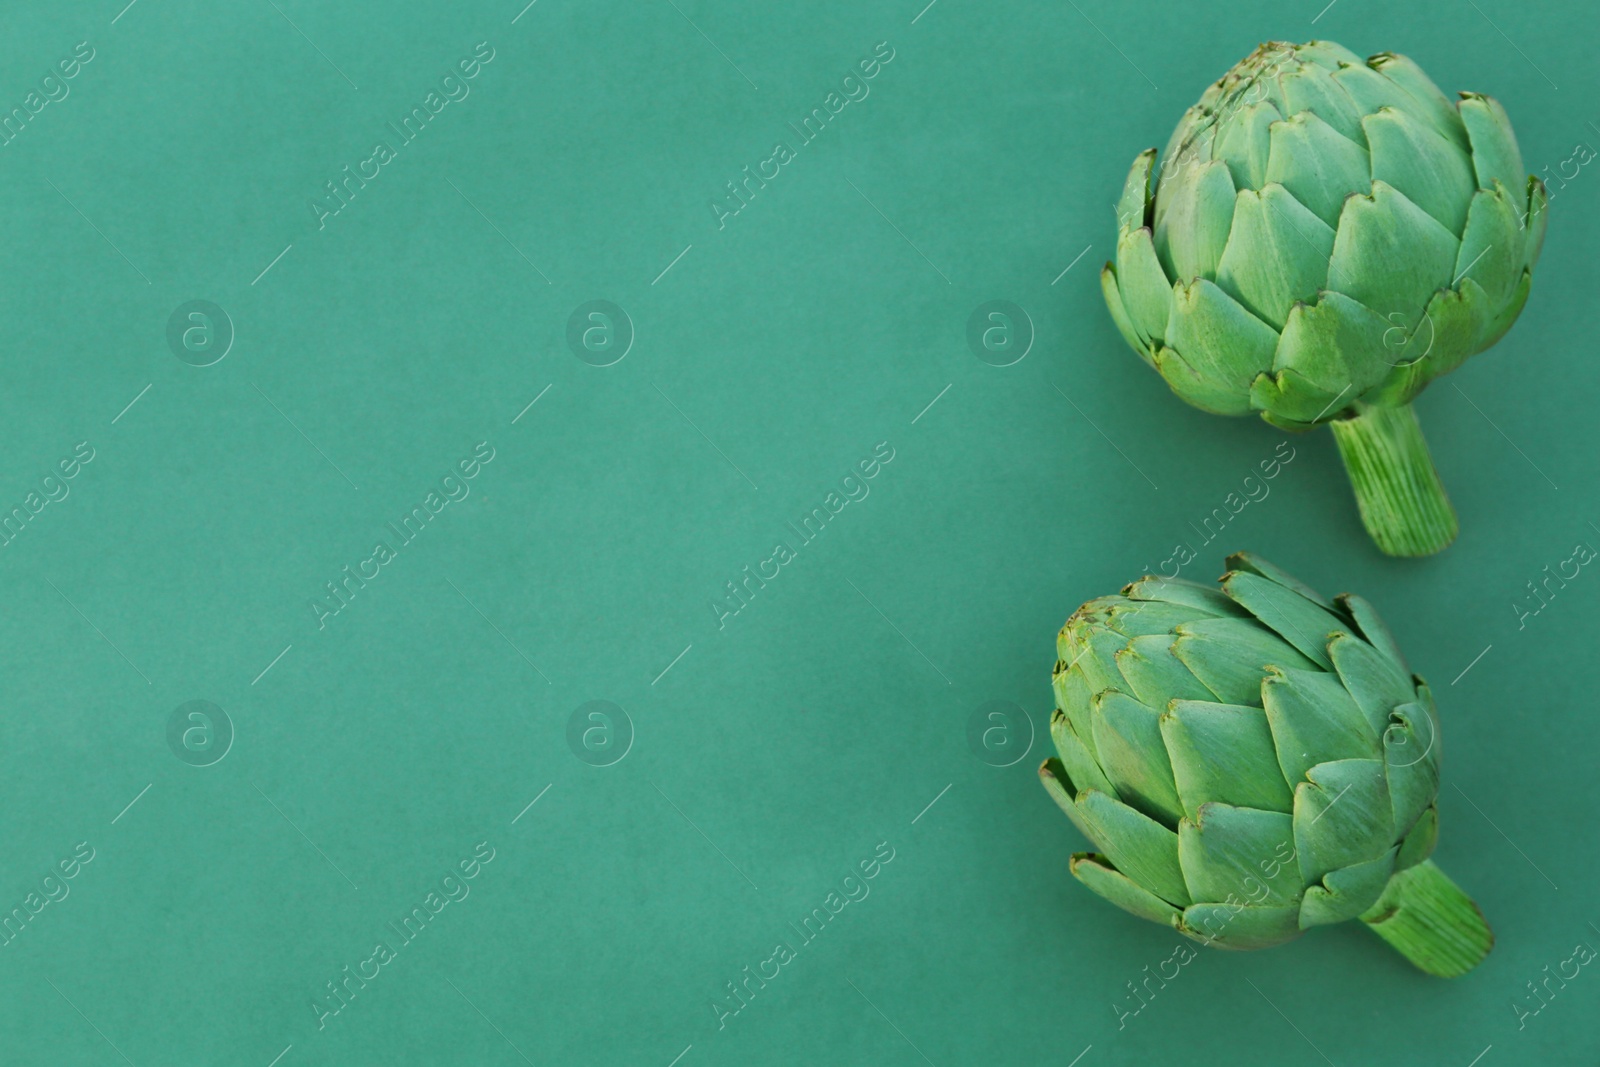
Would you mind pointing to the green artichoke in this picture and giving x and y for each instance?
(1254, 762)
(1325, 237)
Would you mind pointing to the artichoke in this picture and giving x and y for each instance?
(1253, 762)
(1325, 237)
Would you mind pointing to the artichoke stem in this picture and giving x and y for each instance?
(1403, 503)
(1431, 922)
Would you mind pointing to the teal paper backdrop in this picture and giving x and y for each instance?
(528, 543)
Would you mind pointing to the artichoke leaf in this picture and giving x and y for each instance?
(1538, 217)
(1244, 141)
(1053, 776)
(1457, 320)
(1371, 678)
(1419, 843)
(1183, 591)
(1096, 872)
(1503, 322)
(1075, 700)
(1143, 618)
(1227, 851)
(1251, 563)
(1282, 422)
(1411, 752)
(1219, 339)
(1337, 344)
(1230, 657)
(1196, 389)
(1417, 160)
(1313, 720)
(1326, 54)
(1370, 91)
(1119, 314)
(1370, 625)
(1240, 926)
(1495, 155)
(1155, 675)
(1428, 101)
(1146, 291)
(1286, 399)
(1451, 329)
(1223, 753)
(1130, 750)
(1194, 217)
(1093, 650)
(1391, 255)
(1342, 816)
(1189, 145)
(1317, 164)
(1133, 207)
(1347, 892)
(1277, 255)
(1304, 624)
(1077, 758)
(1312, 89)
(1136, 844)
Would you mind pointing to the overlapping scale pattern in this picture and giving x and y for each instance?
(1323, 231)
(1249, 760)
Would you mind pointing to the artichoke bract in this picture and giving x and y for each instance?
(1254, 761)
(1326, 235)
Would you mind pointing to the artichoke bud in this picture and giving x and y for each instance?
(1252, 761)
(1322, 237)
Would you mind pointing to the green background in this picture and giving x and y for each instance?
(776, 352)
